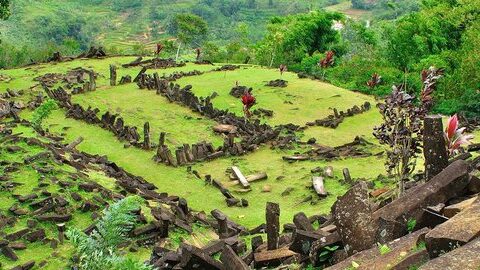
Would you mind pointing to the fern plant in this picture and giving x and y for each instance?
(42, 112)
(98, 251)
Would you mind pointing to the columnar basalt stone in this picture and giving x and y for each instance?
(231, 260)
(8, 251)
(91, 78)
(146, 136)
(302, 222)
(456, 232)
(465, 257)
(273, 225)
(434, 146)
(222, 223)
(140, 74)
(125, 79)
(113, 75)
(346, 176)
(392, 219)
(61, 232)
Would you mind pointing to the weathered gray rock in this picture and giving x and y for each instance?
(353, 217)
(392, 219)
(459, 230)
(464, 258)
(372, 259)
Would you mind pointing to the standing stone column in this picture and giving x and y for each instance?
(146, 136)
(434, 146)
(93, 85)
(61, 232)
(273, 225)
(113, 75)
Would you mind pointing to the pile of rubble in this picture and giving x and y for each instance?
(71, 79)
(10, 108)
(155, 63)
(93, 52)
(203, 62)
(239, 90)
(277, 83)
(227, 68)
(332, 121)
(180, 74)
(322, 152)
(5, 78)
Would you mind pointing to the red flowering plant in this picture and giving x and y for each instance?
(159, 49)
(375, 80)
(328, 61)
(455, 137)
(248, 101)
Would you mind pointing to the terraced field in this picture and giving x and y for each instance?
(303, 100)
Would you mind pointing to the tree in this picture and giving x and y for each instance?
(4, 9)
(190, 29)
(290, 39)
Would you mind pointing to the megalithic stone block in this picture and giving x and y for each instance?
(273, 225)
(434, 147)
(113, 75)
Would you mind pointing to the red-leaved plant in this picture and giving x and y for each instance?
(374, 80)
(159, 49)
(248, 101)
(455, 137)
(402, 127)
(328, 61)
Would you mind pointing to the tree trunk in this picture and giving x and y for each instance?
(178, 51)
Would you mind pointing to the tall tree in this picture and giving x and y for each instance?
(190, 29)
(291, 38)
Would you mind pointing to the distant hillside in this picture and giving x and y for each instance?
(126, 25)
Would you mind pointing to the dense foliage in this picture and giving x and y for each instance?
(4, 9)
(292, 38)
(443, 34)
(420, 34)
(99, 250)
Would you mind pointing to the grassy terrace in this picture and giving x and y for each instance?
(301, 101)
(311, 100)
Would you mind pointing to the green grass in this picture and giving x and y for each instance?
(139, 106)
(311, 100)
